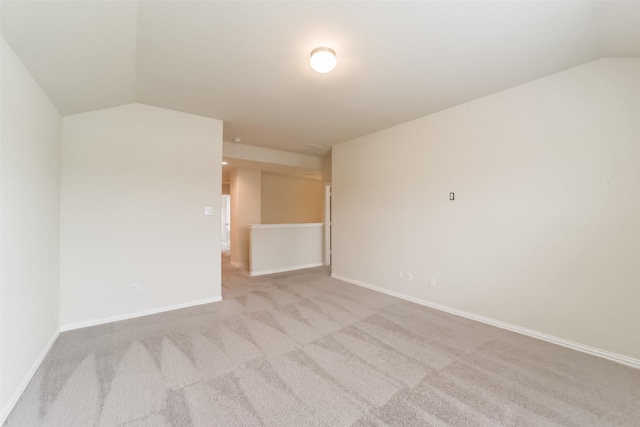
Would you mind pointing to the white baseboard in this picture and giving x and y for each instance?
(282, 270)
(25, 382)
(615, 357)
(87, 323)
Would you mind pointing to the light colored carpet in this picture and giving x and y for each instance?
(303, 349)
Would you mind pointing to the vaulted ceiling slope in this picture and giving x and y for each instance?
(247, 62)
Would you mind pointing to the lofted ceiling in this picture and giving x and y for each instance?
(247, 62)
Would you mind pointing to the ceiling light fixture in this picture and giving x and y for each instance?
(323, 59)
(224, 163)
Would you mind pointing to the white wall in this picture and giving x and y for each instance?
(245, 210)
(545, 228)
(285, 247)
(268, 155)
(326, 207)
(135, 181)
(29, 233)
(289, 199)
(326, 169)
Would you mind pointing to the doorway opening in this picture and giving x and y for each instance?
(327, 224)
(226, 222)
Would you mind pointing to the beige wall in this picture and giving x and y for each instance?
(245, 210)
(544, 231)
(289, 199)
(30, 200)
(135, 181)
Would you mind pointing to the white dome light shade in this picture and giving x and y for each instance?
(323, 59)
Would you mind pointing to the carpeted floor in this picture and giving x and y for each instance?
(303, 349)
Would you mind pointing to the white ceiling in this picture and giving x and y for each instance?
(247, 62)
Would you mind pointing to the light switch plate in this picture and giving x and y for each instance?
(208, 210)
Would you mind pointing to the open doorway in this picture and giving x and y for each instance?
(226, 222)
(327, 224)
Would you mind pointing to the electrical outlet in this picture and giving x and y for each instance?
(135, 288)
(432, 281)
(409, 276)
(400, 275)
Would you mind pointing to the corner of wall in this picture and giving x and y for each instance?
(30, 201)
